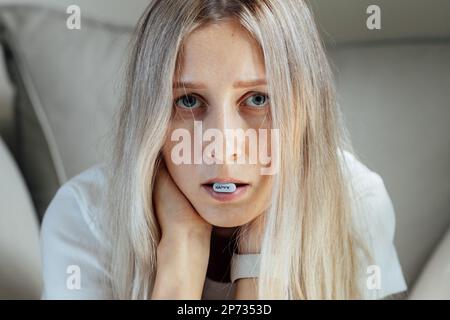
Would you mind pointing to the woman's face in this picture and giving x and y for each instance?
(221, 86)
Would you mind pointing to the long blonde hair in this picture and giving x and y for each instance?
(308, 250)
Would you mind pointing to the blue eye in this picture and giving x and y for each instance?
(257, 100)
(188, 102)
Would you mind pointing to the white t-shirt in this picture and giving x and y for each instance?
(71, 241)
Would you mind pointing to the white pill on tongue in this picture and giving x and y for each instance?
(224, 187)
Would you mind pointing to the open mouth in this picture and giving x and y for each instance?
(228, 187)
(225, 190)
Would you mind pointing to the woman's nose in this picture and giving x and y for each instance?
(230, 128)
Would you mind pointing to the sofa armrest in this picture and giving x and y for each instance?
(20, 264)
(434, 282)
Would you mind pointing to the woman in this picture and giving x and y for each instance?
(173, 216)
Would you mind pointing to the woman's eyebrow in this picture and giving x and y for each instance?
(237, 84)
(250, 83)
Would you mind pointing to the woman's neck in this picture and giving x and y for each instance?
(221, 251)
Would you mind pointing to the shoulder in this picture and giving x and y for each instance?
(374, 219)
(72, 238)
(359, 174)
(370, 199)
(79, 201)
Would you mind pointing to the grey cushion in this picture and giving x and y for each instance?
(68, 86)
(395, 99)
(20, 263)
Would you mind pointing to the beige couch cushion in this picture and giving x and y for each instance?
(68, 85)
(395, 99)
(434, 282)
(20, 264)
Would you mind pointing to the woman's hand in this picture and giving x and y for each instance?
(183, 252)
(175, 214)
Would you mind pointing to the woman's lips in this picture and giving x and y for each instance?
(241, 189)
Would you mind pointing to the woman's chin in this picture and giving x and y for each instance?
(225, 218)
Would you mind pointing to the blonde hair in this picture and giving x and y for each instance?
(309, 245)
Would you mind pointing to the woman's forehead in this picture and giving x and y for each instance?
(224, 51)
